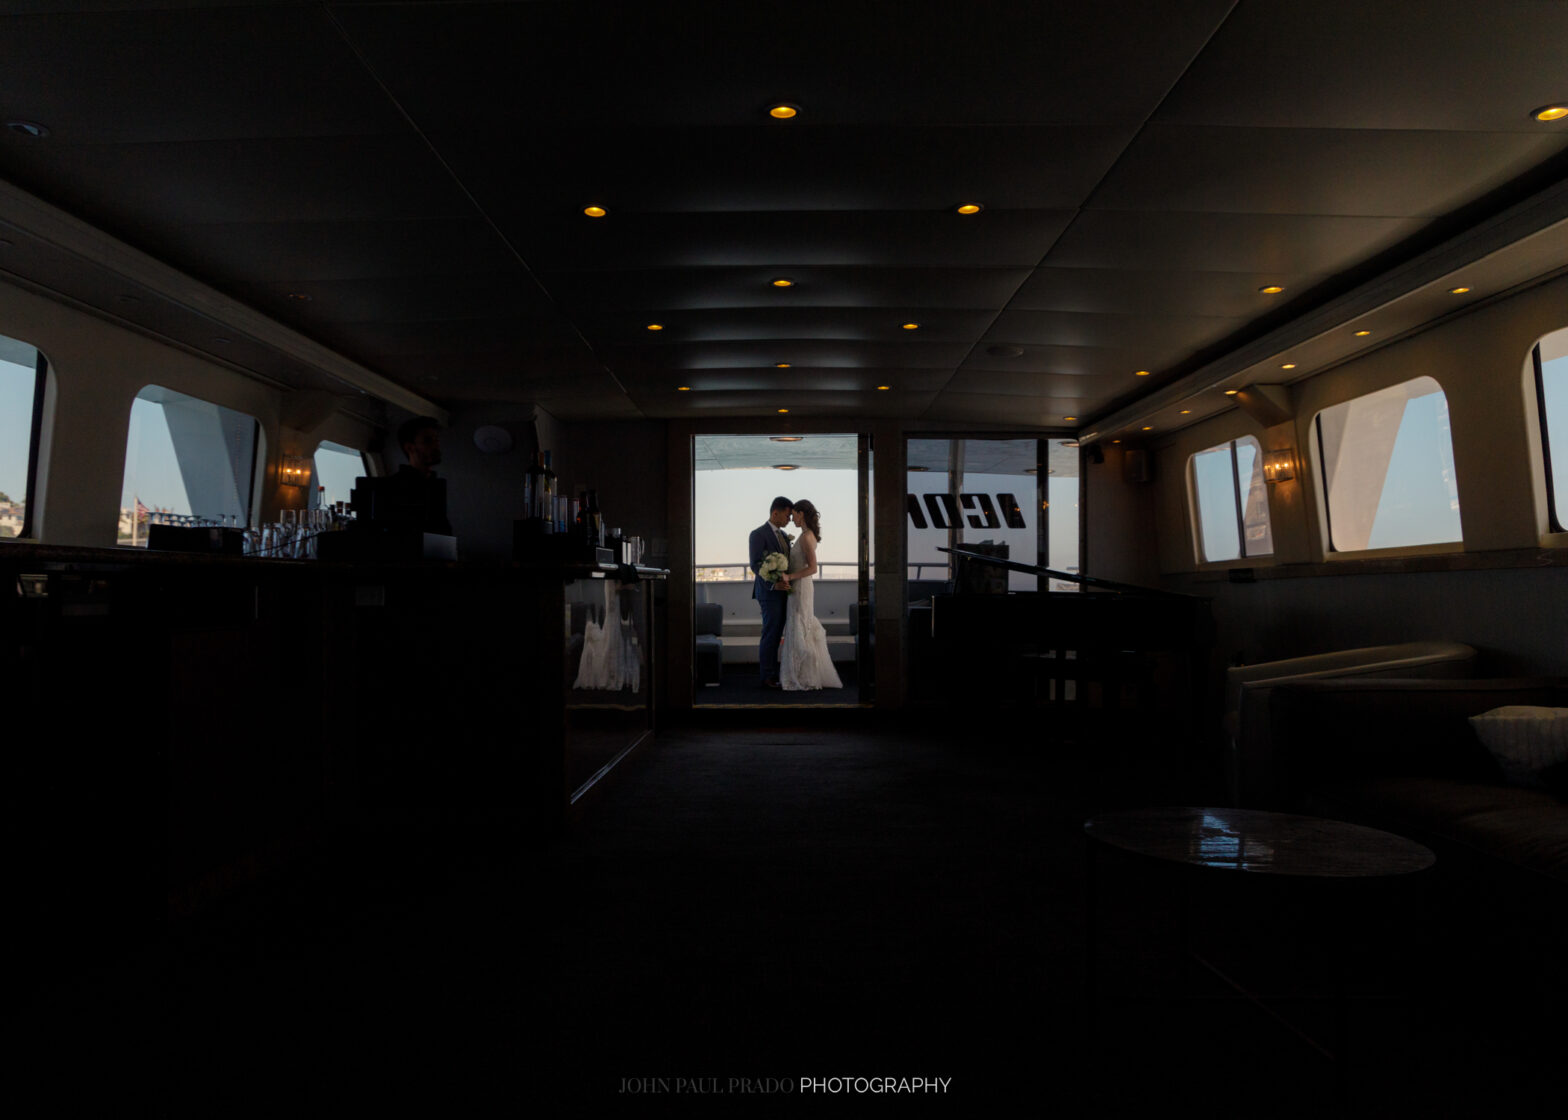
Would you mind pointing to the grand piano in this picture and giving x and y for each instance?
(1110, 655)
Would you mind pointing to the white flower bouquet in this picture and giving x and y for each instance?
(774, 565)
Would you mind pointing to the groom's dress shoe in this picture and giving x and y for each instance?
(772, 684)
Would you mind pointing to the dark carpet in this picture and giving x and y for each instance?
(745, 912)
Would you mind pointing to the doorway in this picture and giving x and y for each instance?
(735, 479)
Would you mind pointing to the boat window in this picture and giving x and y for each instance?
(187, 461)
(986, 495)
(1388, 469)
(21, 392)
(335, 471)
(1551, 390)
(1232, 501)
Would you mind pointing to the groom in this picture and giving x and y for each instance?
(765, 539)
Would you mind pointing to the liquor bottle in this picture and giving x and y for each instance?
(584, 525)
(549, 507)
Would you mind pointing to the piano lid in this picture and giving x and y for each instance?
(1087, 581)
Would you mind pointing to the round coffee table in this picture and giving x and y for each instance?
(1250, 843)
(1259, 843)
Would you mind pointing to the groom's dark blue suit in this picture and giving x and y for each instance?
(765, 539)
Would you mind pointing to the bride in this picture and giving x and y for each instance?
(805, 663)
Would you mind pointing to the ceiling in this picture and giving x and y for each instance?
(403, 185)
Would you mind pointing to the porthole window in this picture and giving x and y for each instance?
(1551, 390)
(186, 461)
(21, 394)
(1232, 501)
(1388, 469)
(335, 470)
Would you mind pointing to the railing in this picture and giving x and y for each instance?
(741, 573)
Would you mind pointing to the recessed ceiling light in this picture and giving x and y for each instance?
(783, 282)
(1115, 441)
(970, 208)
(655, 326)
(1147, 428)
(786, 466)
(1362, 334)
(883, 388)
(786, 439)
(1069, 417)
(781, 365)
(1457, 291)
(1288, 365)
(28, 128)
(1550, 112)
(683, 388)
(911, 326)
(1186, 411)
(783, 410)
(1271, 290)
(783, 111)
(595, 211)
(1141, 373)
(1231, 392)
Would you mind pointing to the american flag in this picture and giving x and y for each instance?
(141, 511)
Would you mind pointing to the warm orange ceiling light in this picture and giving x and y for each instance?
(1069, 417)
(1141, 373)
(783, 111)
(783, 282)
(1186, 411)
(683, 388)
(783, 410)
(595, 211)
(970, 208)
(911, 326)
(1271, 290)
(1550, 112)
(883, 388)
(1288, 365)
(1457, 291)
(1362, 334)
(781, 365)
(655, 326)
(1147, 428)
(1231, 392)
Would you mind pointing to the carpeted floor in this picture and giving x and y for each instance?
(754, 908)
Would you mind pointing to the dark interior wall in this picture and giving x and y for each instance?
(626, 462)
(1119, 521)
(1516, 617)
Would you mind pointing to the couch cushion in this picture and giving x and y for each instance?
(1528, 741)
(1428, 805)
(1536, 837)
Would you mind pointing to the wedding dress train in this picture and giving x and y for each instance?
(804, 662)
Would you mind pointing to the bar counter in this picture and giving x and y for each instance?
(284, 707)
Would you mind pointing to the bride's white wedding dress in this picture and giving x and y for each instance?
(804, 662)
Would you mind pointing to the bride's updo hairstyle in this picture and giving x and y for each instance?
(808, 514)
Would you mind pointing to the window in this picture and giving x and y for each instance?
(21, 399)
(1551, 390)
(186, 457)
(1232, 501)
(1388, 469)
(336, 470)
(986, 494)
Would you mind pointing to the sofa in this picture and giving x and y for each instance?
(1249, 689)
(1404, 756)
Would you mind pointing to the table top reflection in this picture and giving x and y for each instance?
(1255, 841)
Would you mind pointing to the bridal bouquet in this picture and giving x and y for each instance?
(774, 565)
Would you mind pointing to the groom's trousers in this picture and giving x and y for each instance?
(773, 607)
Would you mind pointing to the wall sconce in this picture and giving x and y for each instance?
(1279, 465)
(293, 470)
